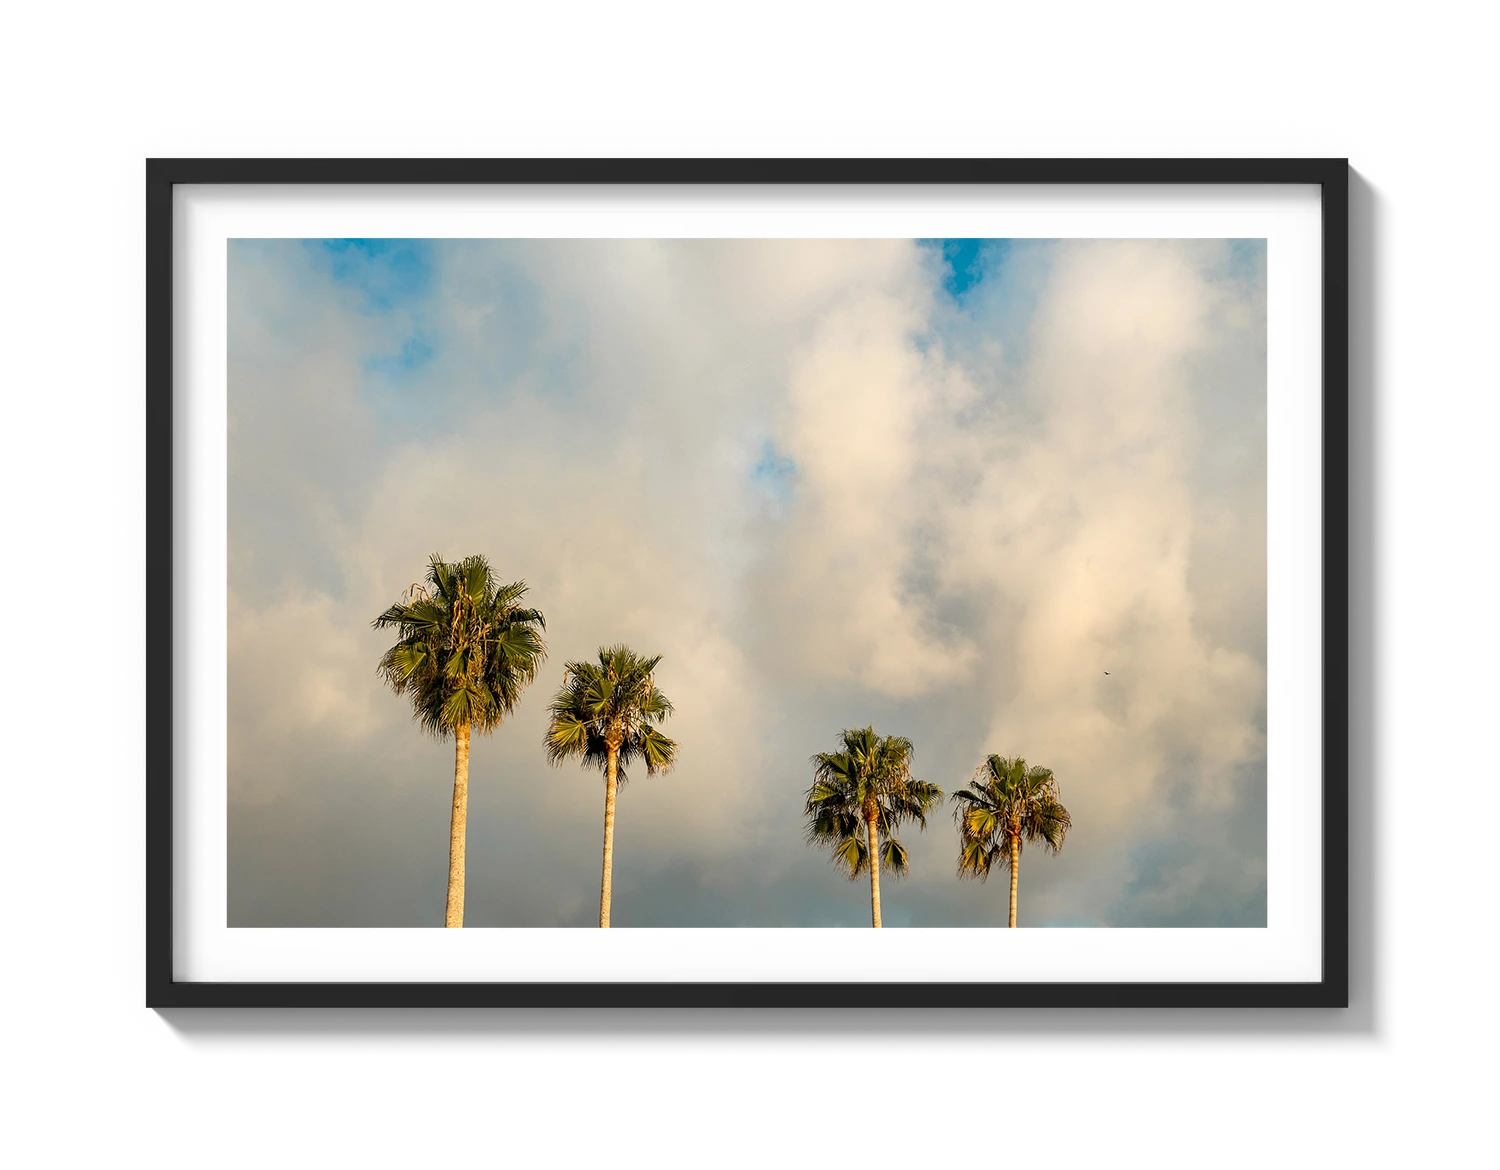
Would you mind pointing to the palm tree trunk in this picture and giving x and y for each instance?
(870, 836)
(458, 827)
(609, 835)
(1015, 873)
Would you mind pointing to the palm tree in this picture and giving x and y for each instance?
(466, 648)
(1006, 804)
(859, 797)
(606, 714)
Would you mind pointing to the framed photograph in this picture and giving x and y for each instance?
(648, 583)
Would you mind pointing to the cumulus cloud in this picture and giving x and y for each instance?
(827, 490)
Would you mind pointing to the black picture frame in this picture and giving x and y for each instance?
(1352, 1014)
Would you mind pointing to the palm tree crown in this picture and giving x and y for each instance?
(860, 795)
(613, 703)
(466, 647)
(1006, 804)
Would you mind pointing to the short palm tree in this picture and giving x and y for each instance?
(1007, 803)
(606, 715)
(860, 795)
(466, 648)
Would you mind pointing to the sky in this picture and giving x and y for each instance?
(934, 486)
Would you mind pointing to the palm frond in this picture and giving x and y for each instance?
(851, 854)
(476, 579)
(893, 857)
(974, 858)
(1048, 823)
(659, 752)
(981, 822)
(509, 596)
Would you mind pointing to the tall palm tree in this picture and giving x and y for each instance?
(606, 715)
(1006, 804)
(860, 795)
(465, 650)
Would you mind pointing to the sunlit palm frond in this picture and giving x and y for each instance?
(981, 822)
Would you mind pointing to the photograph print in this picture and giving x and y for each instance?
(747, 583)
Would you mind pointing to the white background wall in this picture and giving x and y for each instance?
(1405, 1074)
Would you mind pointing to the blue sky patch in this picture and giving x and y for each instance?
(968, 260)
(1247, 259)
(389, 273)
(415, 352)
(774, 471)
